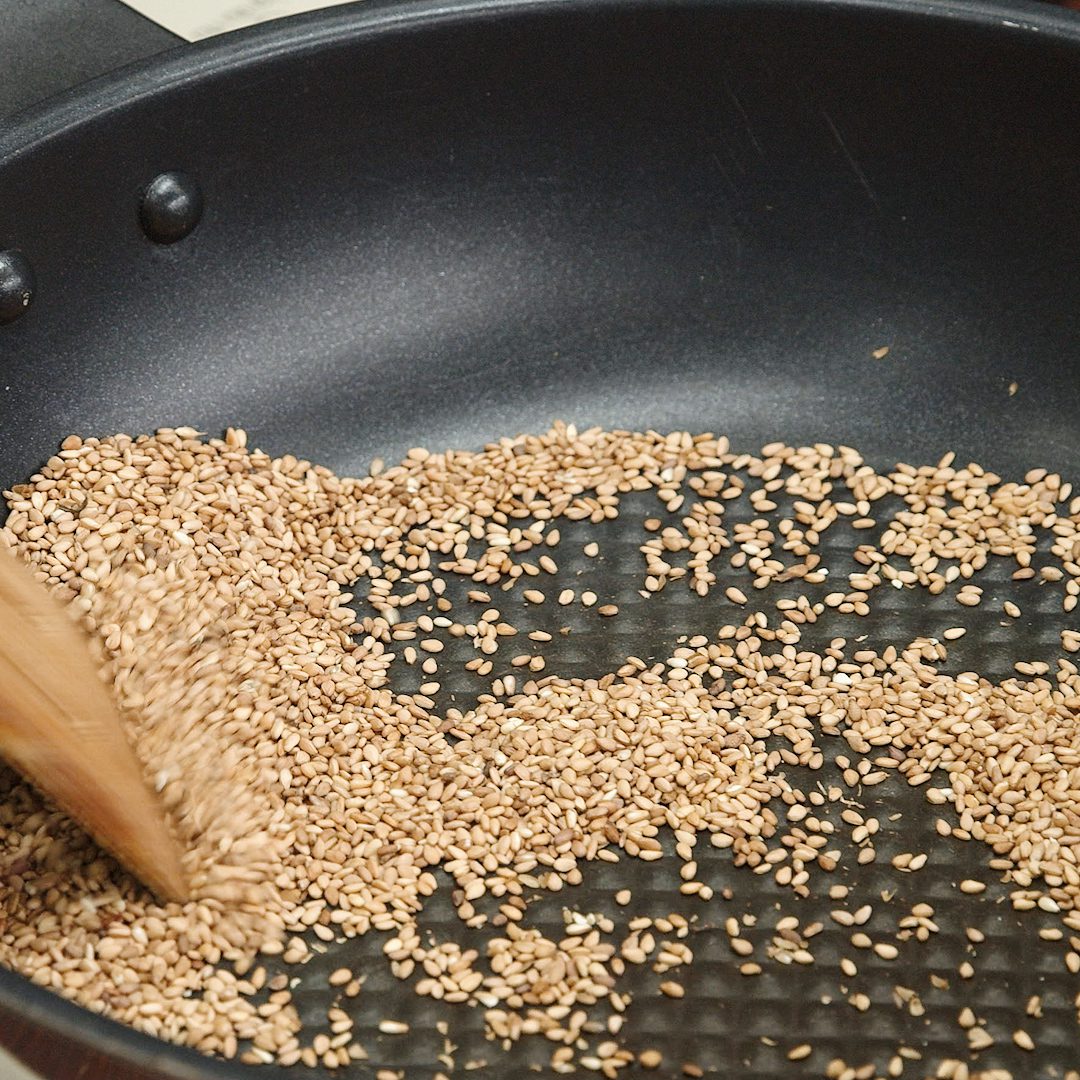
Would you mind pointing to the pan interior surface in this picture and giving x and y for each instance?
(436, 227)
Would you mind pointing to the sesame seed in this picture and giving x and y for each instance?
(213, 579)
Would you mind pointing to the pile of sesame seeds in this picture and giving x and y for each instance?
(318, 802)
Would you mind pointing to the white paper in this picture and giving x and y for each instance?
(198, 19)
(10, 1069)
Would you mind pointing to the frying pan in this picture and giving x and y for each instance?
(438, 223)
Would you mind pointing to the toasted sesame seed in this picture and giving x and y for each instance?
(276, 668)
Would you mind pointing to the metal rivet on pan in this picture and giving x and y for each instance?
(16, 285)
(171, 207)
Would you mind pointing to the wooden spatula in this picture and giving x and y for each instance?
(60, 728)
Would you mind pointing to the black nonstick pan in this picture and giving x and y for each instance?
(438, 223)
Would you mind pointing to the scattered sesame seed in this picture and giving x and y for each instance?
(243, 560)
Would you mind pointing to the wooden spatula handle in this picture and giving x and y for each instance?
(60, 727)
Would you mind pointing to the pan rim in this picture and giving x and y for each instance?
(191, 62)
(164, 73)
